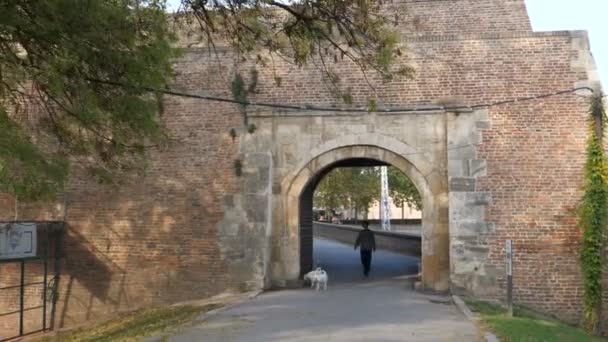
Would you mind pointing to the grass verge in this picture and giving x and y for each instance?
(525, 326)
(134, 326)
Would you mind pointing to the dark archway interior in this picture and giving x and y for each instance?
(306, 207)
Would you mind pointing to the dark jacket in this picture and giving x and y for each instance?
(366, 240)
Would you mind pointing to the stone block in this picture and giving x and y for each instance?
(461, 184)
(483, 124)
(258, 160)
(482, 114)
(478, 198)
(494, 272)
(483, 286)
(228, 200)
(288, 131)
(457, 249)
(457, 168)
(276, 188)
(264, 177)
(478, 252)
(457, 285)
(256, 207)
(462, 151)
(468, 240)
(443, 216)
(466, 266)
(230, 229)
(437, 182)
(252, 184)
(461, 229)
(477, 168)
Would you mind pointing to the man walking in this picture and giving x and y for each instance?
(367, 241)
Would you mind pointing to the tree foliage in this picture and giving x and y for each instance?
(54, 59)
(74, 74)
(300, 30)
(350, 187)
(402, 190)
(359, 188)
(594, 216)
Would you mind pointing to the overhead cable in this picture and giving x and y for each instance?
(411, 109)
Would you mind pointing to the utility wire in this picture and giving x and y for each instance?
(335, 109)
(457, 147)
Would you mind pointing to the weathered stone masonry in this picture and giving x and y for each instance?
(190, 228)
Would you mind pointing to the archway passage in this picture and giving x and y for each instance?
(348, 194)
(431, 183)
(306, 208)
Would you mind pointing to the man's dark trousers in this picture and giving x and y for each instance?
(366, 260)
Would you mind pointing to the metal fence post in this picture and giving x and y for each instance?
(21, 295)
(509, 249)
(45, 278)
(57, 275)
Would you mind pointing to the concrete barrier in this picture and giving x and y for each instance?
(403, 243)
(376, 222)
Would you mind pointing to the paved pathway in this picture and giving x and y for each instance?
(382, 308)
(343, 263)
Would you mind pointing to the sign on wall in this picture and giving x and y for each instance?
(17, 240)
(509, 250)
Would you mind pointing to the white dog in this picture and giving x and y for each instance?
(317, 278)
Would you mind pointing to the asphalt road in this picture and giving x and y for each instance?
(381, 308)
(343, 263)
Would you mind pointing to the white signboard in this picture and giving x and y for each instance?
(17, 240)
(509, 257)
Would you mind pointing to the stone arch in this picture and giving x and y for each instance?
(430, 180)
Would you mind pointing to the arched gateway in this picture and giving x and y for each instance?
(352, 150)
(259, 234)
(431, 148)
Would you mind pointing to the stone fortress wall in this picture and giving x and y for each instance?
(191, 228)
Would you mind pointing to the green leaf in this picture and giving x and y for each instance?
(593, 217)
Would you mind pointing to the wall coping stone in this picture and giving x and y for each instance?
(406, 236)
(444, 37)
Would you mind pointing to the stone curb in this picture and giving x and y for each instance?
(213, 312)
(462, 306)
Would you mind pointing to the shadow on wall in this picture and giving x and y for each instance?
(131, 253)
(150, 243)
(86, 266)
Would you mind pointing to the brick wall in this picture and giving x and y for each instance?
(152, 240)
(155, 241)
(440, 17)
(534, 174)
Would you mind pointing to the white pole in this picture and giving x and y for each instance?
(385, 202)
